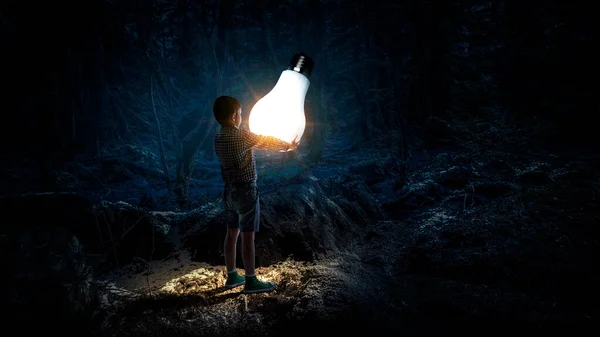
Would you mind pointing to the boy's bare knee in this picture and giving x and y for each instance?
(248, 236)
(232, 233)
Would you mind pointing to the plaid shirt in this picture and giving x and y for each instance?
(234, 148)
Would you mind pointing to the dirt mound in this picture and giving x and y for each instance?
(297, 221)
(510, 245)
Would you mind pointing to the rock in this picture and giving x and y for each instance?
(534, 178)
(127, 231)
(495, 164)
(48, 278)
(372, 171)
(386, 188)
(184, 223)
(413, 196)
(490, 189)
(357, 193)
(353, 210)
(454, 177)
(353, 192)
(439, 132)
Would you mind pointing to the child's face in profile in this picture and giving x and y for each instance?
(237, 118)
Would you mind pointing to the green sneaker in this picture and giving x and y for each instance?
(234, 280)
(253, 285)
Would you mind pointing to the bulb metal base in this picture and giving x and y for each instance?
(302, 64)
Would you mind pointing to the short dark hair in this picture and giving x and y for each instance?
(224, 108)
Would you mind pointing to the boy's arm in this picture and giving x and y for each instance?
(264, 142)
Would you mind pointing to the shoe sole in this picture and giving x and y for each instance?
(256, 291)
(231, 286)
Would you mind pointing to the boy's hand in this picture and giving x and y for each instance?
(294, 144)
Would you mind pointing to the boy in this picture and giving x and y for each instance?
(234, 148)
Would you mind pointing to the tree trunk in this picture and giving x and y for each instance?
(203, 134)
(161, 145)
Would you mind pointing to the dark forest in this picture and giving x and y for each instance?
(446, 181)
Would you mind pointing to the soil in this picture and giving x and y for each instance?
(479, 254)
(466, 241)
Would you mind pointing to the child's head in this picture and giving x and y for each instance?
(228, 111)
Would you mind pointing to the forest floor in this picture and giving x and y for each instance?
(475, 237)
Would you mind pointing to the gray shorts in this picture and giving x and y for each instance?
(242, 207)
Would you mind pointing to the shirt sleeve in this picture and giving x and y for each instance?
(263, 142)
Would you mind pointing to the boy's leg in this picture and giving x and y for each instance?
(233, 278)
(229, 247)
(248, 252)
(253, 285)
(250, 225)
(233, 231)
(232, 219)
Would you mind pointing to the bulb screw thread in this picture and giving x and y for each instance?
(302, 64)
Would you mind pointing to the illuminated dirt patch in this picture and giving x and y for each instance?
(197, 300)
(287, 276)
(198, 280)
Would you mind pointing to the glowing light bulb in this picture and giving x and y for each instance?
(280, 113)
